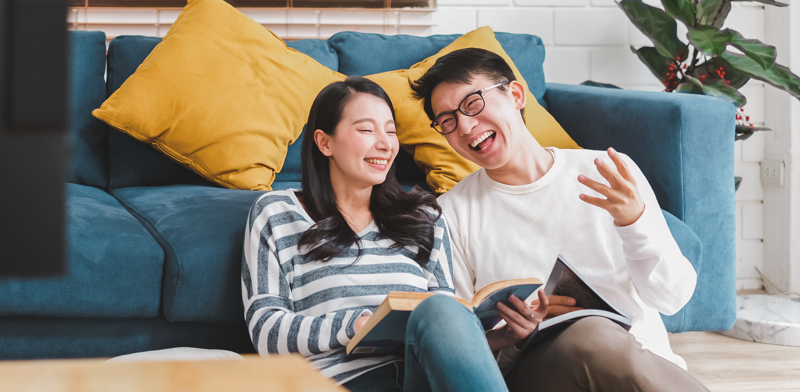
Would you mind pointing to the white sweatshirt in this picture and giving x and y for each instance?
(509, 232)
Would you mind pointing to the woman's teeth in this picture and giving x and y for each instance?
(377, 161)
(477, 141)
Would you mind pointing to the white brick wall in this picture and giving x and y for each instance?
(585, 40)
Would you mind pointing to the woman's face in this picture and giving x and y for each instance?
(362, 149)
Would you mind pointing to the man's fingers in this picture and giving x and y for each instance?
(555, 300)
(600, 188)
(622, 167)
(558, 310)
(514, 316)
(522, 308)
(595, 201)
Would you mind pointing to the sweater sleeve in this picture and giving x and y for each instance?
(439, 268)
(663, 277)
(269, 309)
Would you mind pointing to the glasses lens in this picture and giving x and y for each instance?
(472, 105)
(446, 123)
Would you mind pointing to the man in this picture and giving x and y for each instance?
(526, 205)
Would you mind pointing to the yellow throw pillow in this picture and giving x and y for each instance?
(221, 95)
(444, 167)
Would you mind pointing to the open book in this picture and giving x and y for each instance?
(565, 281)
(385, 330)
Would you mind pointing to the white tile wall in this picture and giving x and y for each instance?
(584, 39)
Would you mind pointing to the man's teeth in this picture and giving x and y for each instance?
(377, 161)
(480, 139)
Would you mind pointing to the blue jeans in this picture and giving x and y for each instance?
(445, 351)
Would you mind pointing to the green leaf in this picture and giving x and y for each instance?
(682, 10)
(657, 63)
(656, 25)
(770, 2)
(689, 88)
(707, 10)
(777, 75)
(719, 89)
(707, 71)
(714, 42)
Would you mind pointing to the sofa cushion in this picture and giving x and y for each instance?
(88, 136)
(201, 230)
(692, 249)
(133, 163)
(220, 95)
(114, 267)
(367, 54)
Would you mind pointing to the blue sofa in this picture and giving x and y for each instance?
(155, 250)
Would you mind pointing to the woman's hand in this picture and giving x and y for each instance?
(360, 323)
(557, 306)
(520, 321)
(622, 200)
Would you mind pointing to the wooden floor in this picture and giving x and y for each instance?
(726, 364)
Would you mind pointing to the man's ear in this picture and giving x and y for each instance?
(323, 142)
(518, 92)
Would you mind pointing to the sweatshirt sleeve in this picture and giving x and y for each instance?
(269, 309)
(663, 277)
(463, 273)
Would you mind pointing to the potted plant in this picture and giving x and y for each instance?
(705, 64)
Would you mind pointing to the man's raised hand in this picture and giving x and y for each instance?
(622, 199)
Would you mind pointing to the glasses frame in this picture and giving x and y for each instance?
(480, 93)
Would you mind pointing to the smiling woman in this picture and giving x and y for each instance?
(350, 178)
(317, 263)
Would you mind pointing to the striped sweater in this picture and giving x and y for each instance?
(296, 305)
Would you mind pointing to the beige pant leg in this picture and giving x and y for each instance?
(595, 354)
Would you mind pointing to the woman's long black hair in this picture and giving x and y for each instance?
(400, 216)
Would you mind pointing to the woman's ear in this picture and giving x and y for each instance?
(518, 92)
(323, 142)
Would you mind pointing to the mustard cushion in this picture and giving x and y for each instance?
(221, 95)
(444, 167)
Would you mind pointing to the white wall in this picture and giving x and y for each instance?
(782, 204)
(585, 39)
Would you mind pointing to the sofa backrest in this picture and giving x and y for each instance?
(133, 163)
(88, 136)
(366, 54)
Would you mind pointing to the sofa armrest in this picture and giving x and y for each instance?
(684, 145)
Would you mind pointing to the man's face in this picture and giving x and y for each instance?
(486, 138)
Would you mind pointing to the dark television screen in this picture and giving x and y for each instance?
(33, 150)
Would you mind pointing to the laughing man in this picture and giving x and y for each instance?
(526, 205)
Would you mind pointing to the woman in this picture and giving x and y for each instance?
(318, 262)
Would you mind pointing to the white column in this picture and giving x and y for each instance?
(782, 114)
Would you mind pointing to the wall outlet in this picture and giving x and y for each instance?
(772, 172)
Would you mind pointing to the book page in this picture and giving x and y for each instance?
(569, 285)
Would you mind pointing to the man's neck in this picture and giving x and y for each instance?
(529, 162)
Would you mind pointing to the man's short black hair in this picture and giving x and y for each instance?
(460, 67)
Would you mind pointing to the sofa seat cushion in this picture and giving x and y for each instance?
(114, 267)
(201, 230)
